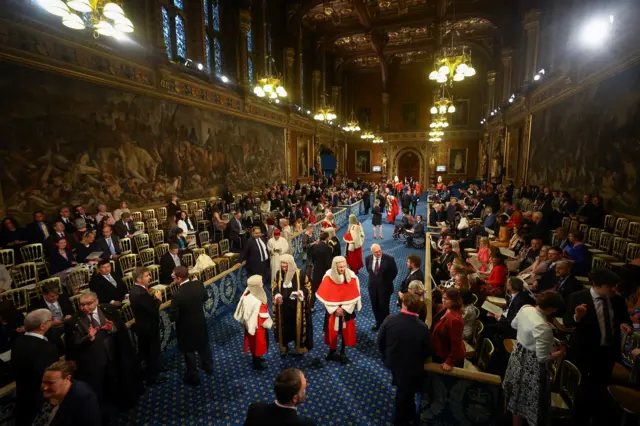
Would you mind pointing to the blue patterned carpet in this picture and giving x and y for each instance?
(359, 393)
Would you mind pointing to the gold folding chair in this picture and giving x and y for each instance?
(604, 245)
(573, 227)
(128, 263)
(204, 239)
(633, 252)
(162, 214)
(155, 273)
(202, 204)
(196, 253)
(224, 247)
(136, 216)
(152, 224)
(147, 256)
(209, 273)
(562, 401)
(156, 237)
(125, 246)
(24, 274)
(566, 222)
(8, 258)
(19, 297)
(141, 241)
(187, 260)
(149, 214)
(75, 301)
(128, 281)
(584, 228)
(40, 285)
(161, 250)
(193, 206)
(618, 252)
(78, 279)
(126, 312)
(213, 250)
(620, 226)
(593, 238)
(598, 262)
(609, 222)
(184, 207)
(34, 253)
(634, 232)
(138, 226)
(201, 221)
(484, 357)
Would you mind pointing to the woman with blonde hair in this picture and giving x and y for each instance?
(539, 267)
(124, 208)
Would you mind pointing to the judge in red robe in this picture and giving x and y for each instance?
(354, 238)
(339, 292)
(253, 314)
(328, 222)
(392, 209)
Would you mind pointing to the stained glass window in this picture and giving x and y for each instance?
(250, 41)
(166, 31)
(178, 4)
(216, 15)
(206, 12)
(217, 54)
(250, 71)
(207, 53)
(269, 41)
(181, 37)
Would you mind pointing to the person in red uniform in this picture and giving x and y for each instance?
(392, 209)
(328, 222)
(253, 314)
(339, 292)
(354, 239)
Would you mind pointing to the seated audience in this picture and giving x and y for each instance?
(81, 228)
(504, 234)
(62, 257)
(57, 234)
(86, 246)
(124, 208)
(88, 219)
(38, 230)
(180, 240)
(103, 214)
(498, 328)
(447, 330)
(577, 253)
(109, 244)
(183, 222)
(469, 314)
(108, 285)
(548, 279)
(440, 266)
(65, 218)
(13, 235)
(534, 272)
(290, 387)
(493, 283)
(123, 227)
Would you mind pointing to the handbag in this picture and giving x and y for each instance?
(464, 224)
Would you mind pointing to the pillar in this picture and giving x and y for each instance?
(507, 60)
(385, 112)
(491, 90)
(532, 28)
(243, 69)
(289, 76)
(335, 101)
(316, 96)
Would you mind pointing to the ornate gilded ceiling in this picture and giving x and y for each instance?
(470, 27)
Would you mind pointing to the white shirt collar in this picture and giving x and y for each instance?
(50, 303)
(184, 282)
(39, 336)
(286, 406)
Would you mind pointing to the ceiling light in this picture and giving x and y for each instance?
(55, 7)
(112, 11)
(433, 110)
(105, 28)
(536, 77)
(73, 21)
(596, 31)
(224, 79)
(83, 6)
(124, 25)
(200, 67)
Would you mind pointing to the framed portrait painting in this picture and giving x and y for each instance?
(302, 157)
(458, 161)
(363, 161)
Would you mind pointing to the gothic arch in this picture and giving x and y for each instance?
(423, 178)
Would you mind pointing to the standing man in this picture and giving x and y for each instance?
(31, 354)
(598, 316)
(291, 294)
(61, 310)
(339, 292)
(277, 247)
(256, 256)
(366, 201)
(191, 324)
(405, 344)
(252, 312)
(146, 310)
(382, 271)
(236, 232)
(415, 274)
(108, 286)
(168, 262)
(322, 255)
(290, 387)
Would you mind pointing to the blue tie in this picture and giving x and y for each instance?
(110, 243)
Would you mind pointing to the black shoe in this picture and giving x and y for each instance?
(157, 380)
(330, 355)
(344, 360)
(191, 382)
(375, 328)
(260, 366)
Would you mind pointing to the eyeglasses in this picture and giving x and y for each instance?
(88, 303)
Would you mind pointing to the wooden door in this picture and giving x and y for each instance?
(409, 166)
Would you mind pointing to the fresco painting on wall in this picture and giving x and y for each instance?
(588, 143)
(458, 161)
(71, 142)
(513, 144)
(302, 149)
(363, 161)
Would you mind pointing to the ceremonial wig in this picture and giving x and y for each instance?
(353, 220)
(254, 285)
(337, 277)
(291, 271)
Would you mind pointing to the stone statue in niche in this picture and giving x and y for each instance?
(384, 163)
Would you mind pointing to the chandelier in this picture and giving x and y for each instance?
(269, 85)
(367, 134)
(452, 65)
(378, 139)
(352, 124)
(439, 122)
(435, 135)
(325, 113)
(443, 105)
(103, 17)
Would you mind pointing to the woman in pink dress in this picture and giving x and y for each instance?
(484, 253)
(354, 239)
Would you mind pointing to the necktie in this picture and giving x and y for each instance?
(111, 280)
(64, 219)
(263, 254)
(176, 260)
(56, 313)
(61, 234)
(45, 231)
(607, 320)
(92, 320)
(376, 268)
(110, 244)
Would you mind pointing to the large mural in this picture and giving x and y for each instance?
(590, 143)
(65, 142)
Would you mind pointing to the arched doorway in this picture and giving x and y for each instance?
(409, 166)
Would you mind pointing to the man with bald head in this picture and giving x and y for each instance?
(382, 271)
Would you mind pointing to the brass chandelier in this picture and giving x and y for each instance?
(367, 134)
(103, 17)
(269, 85)
(325, 113)
(352, 124)
(452, 65)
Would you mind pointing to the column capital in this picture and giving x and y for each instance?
(491, 78)
(507, 56)
(532, 20)
(245, 21)
(289, 55)
(316, 76)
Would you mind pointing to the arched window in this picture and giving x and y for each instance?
(213, 50)
(174, 29)
(250, 56)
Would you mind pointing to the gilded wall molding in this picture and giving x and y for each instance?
(424, 136)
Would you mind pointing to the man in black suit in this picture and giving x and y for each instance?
(549, 278)
(405, 344)
(38, 231)
(382, 271)
(366, 201)
(418, 230)
(31, 354)
(290, 388)
(440, 266)
(322, 255)
(451, 215)
(500, 327)
(109, 244)
(77, 402)
(168, 262)
(415, 274)
(65, 218)
(146, 311)
(566, 284)
(124, 228)
(256, 256)
(191, 324)
(235, 232)
(108, 285)
(598, 316)
(99, 342)
(59, 232)
(88, 219)
(406, 201)
(61, 310)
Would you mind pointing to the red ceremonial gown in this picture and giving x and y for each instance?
(257, 343)
(393, 212)
(333, 295)
(354, 258)
(326, 224)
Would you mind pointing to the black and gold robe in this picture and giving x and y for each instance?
(292, 319)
